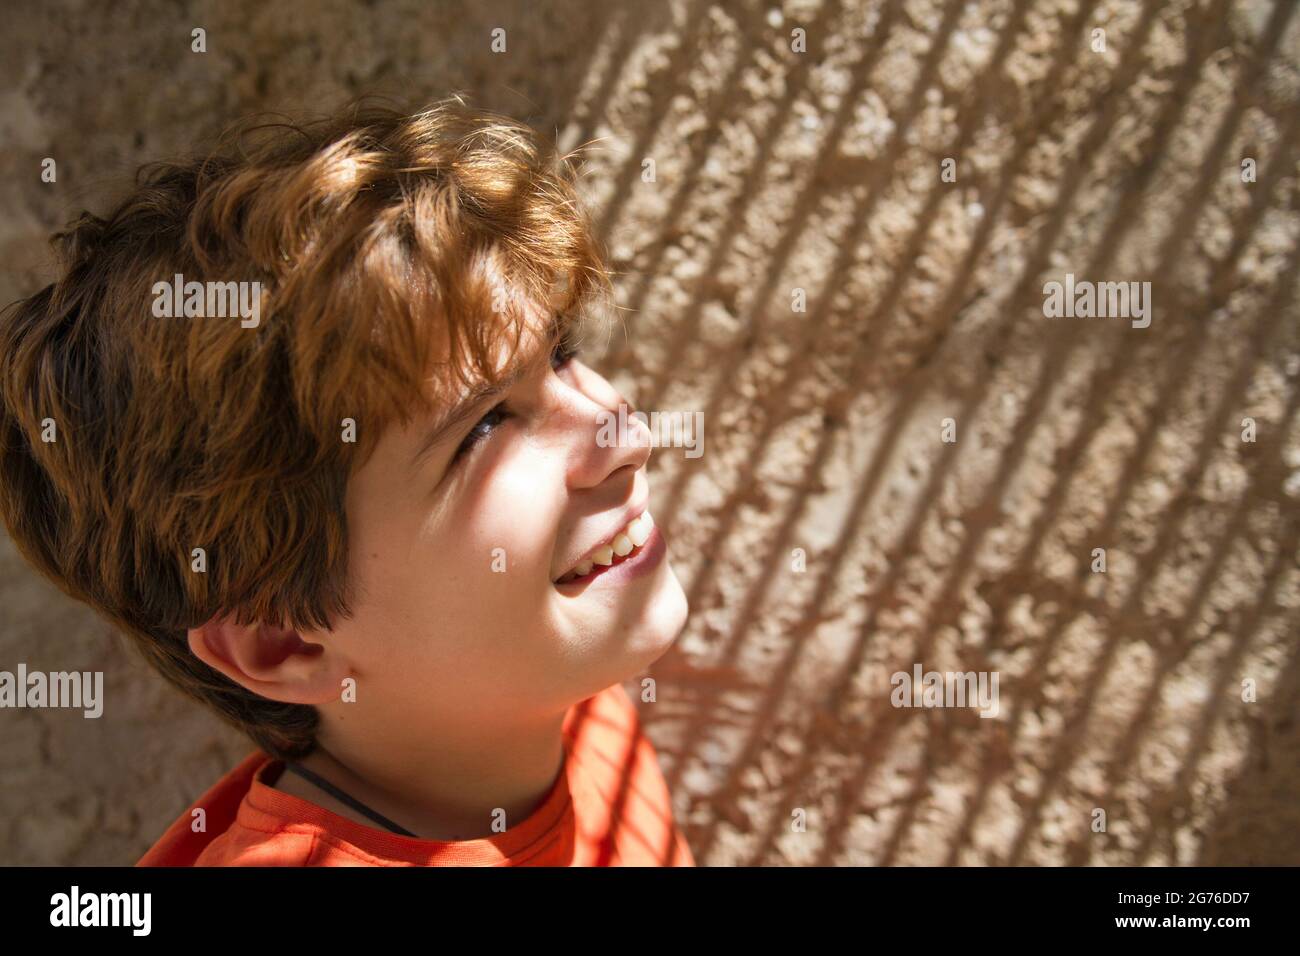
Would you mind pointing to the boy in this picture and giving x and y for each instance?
(345, 489)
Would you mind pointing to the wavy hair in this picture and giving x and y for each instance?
(367, 231)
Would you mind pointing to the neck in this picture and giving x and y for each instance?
(452, 788)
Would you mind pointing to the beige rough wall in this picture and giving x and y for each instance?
(821, 171)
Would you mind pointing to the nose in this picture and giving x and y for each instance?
(605, 439)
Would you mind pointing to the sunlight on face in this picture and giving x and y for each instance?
(455, 557)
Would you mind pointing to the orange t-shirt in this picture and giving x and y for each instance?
(608, 807)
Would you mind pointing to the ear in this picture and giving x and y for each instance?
(271, 661)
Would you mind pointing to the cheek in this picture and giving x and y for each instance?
(481, 566)
(463, 585)
(495, 517)
(506, 528)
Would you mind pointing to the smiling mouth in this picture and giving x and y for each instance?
(624, 546)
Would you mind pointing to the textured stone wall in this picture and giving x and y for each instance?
(822, 171)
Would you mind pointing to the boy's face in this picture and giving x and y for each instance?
(455, 558)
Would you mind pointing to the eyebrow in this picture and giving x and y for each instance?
(466, 409)
(458, 416)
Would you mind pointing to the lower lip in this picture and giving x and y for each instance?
(640, 562)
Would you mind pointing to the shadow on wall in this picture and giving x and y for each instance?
(840, 258)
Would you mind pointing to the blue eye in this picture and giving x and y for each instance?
(561, 355)
(482, 429)
(564, 350)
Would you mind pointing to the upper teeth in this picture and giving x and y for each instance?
(632, 536)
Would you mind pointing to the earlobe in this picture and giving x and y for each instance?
(272, 661)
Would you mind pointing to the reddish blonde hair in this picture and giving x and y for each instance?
(367, 231)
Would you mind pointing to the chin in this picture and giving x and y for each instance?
(625, 650)
(663, 621)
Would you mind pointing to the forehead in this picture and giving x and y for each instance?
(502, 353)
